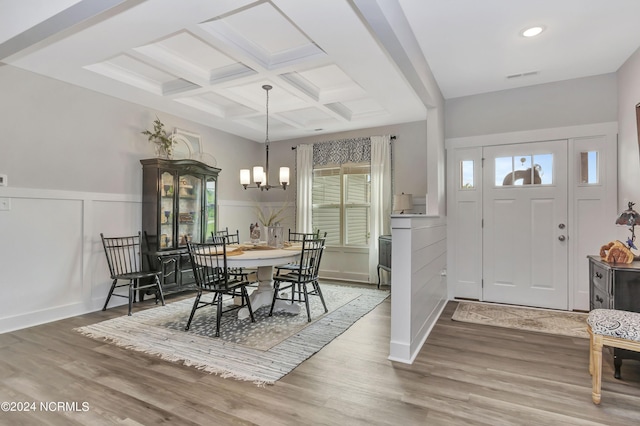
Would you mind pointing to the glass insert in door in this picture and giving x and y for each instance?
(524, 170)
(166, 218)
(210, 213)
(189, 209)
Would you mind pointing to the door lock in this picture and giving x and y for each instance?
(561, 226)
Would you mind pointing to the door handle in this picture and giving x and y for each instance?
(562, 238)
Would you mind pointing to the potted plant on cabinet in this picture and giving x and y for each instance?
(162, 140)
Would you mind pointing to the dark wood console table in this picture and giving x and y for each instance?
(615, 286)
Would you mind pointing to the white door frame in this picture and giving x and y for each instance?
(592, 210)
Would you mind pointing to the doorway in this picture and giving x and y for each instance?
(524, 233)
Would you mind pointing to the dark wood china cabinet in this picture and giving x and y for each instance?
(179, 204)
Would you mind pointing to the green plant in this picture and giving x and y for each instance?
(160, 137)
(271, 216)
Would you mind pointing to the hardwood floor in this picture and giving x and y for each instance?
(466, 374)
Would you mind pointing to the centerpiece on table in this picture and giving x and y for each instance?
(270, 220)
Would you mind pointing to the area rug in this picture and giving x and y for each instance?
(261, 352)
(564, 323)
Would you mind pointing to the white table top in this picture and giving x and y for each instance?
(255, 258)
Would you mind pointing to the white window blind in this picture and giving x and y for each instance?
(341, 203)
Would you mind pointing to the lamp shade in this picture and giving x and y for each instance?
(402, 202)
(245, 177)
(629, 217)
(284, 175)
(258, 174)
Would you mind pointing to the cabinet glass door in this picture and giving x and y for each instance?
(210, 212)
(166, 210)
(189, 209)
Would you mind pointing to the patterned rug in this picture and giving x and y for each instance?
(564, 323)
(261, 352)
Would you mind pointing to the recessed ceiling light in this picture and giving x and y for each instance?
(532, 31)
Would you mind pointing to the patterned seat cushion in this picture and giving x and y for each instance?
(615, 323)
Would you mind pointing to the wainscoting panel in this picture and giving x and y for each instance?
(346, 263)
(53, 264)
(112, 218)
(42, 243)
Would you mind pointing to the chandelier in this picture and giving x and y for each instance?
(260, 174)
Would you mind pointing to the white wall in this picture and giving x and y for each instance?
(628, 157)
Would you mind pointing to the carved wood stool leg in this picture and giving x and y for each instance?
(590, 350)
(596, 378)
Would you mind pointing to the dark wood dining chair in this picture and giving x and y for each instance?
(124, 257)
(209, 261)
(299, 280)
(297, 237)
(231, 238)
(236, 272)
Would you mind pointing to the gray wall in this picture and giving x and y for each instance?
(59, 136)
(409, 154)
(566, 103)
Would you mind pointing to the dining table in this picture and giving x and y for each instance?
(263, 258)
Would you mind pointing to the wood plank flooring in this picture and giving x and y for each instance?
(466, 374)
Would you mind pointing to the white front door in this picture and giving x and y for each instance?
(525, 216)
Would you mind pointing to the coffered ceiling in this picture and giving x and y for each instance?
(334, 65)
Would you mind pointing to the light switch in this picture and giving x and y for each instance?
(5, 204)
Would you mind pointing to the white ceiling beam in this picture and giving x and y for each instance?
(60, 23)
(388, 23)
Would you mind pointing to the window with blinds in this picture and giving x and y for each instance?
(341, 203)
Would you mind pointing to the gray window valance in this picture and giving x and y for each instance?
(357, 150)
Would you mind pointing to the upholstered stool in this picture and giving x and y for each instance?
(609, 327)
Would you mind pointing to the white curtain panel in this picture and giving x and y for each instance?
(380, 197)
(304, 181)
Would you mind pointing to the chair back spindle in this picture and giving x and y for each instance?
(124, 259)
(123, 254)
(209, 263)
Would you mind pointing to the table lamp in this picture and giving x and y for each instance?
(629, 218)
(402, 203)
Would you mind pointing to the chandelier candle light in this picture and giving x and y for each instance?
(260, 174)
